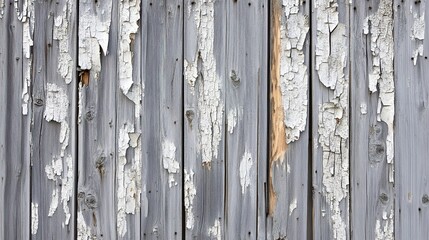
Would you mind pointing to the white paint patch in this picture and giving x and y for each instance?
(292, 206)
(83, 231)
(209, 103)
(34, 218)
(62, 33)
(27, 19)
(245, 174)
(190, 193)
(128, 177)
(333, 115)
(191, 73)
(293, 71)
(384, 230)
(54, 202)
(418, 31)
(232, 120)
(169, 161)
(94, 26)
(363, 108)
(129, 16)
(215, 231)
(382, 48)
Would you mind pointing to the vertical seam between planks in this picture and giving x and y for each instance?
(77, 148)
(183, 227)
(350, 116)
(310, 192)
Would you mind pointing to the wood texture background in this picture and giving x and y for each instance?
(172, 119)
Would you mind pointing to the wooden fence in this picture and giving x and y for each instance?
(214, 119)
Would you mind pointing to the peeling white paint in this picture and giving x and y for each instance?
(384, 229)
(62, 33)
(209, 103)
(190, 193)
(27, 18)
(293, 71)
(418, 31)
(94, 26)
(292, 206)
(128, 176)
(215, 231)
(83, 231)
(34, 218)
(232, 120)
(169, 161)
(245, 173)
(382, 48)
(54, 202)
(129, 15)
(333, 114)
(363, 108)
(191, 73)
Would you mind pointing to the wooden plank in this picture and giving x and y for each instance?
(204, 86)
(411, 151)
(288, 166)
(14, 124)
(129, 91)
(162, 140)
(98, 42)
(245, 67)
(372, 191)
(54, 119)
(330, 119)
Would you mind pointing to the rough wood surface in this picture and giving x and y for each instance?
(14, 128)
(210, 119)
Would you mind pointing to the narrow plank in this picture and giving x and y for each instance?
(129, 91)
(372, 191)
(162, 142)
(54, 119)
(14, 124)
(98, 43)
(245, 66)
(204, 97)
(330, 118)
(289, 158)
(411, 115)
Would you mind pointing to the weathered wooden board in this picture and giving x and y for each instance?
(204, 127)
(330, 118)
(15, 117)
(372, 195)
(97, 59)
(245, 69)
(289, 140)
(54, 89)
(162, 143)
(411, 119)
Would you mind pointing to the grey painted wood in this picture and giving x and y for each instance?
(330, 202)
(411, 151)
(372, 195)
(97, 131)
(207, 206)
(14, 131)
(45, 135)
(246, 70)
(289, 166)
(162, 68)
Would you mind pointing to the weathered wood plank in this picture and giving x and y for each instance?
(129, 96)
(411, 119)
(162, 66)
(14, 123)
(54, 118)
(330, 118)
(245, 67)
(289, 158)
(98, 43)
(372, 195)
(204, 93)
